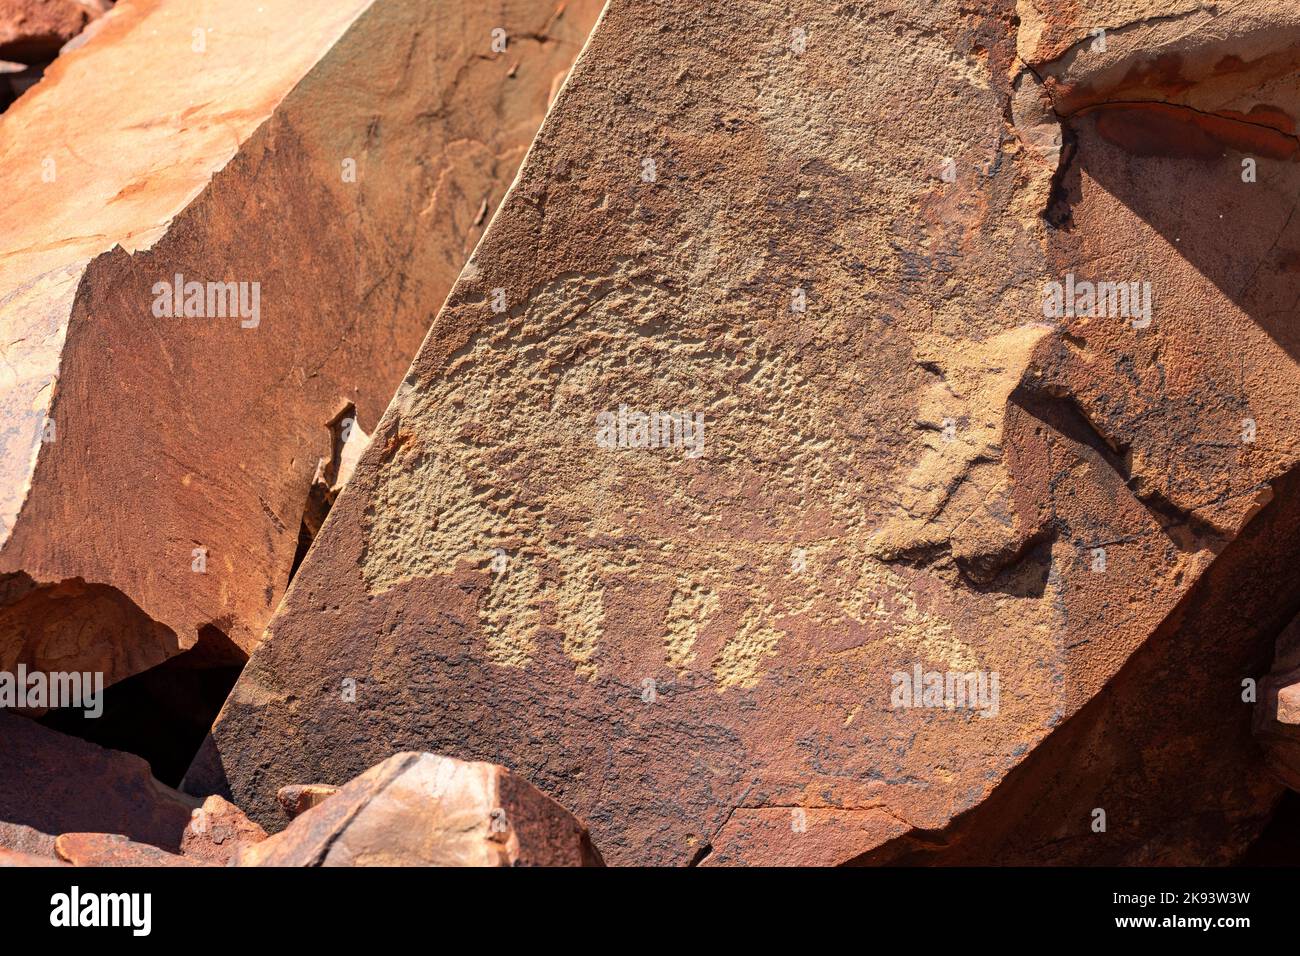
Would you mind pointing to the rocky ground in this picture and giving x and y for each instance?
(665, 433)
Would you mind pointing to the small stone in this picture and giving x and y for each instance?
(217, 830)
(297, 799)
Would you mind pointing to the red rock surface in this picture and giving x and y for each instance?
(821, 361)
(424, 810)
(909, 466)
(57, 784)
(154, 470)
(217, 831)
(110, 849)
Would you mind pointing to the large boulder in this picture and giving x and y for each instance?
(55, 784)
(224, 235)
(1165, 752)
(927, 500)
(773, 486)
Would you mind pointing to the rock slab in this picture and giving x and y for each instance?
(425, 810)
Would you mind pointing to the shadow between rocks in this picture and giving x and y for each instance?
(1165, 750)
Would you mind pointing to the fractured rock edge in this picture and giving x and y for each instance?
(373, 282)
(409, 810)
(269, 679)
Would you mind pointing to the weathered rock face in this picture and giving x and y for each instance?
(1165, 751)
(424, 810)
(1182, 129)
(55, 784)
(919, 458)
(204, 259)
